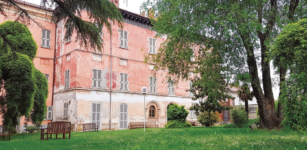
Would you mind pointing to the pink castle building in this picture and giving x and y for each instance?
(79, 79)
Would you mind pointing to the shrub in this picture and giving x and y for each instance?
(176, 112)
(238, 117)
(250, 122)
(203, 118)
(178, 124)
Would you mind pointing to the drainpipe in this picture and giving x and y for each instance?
(110, 76)
(54, 60)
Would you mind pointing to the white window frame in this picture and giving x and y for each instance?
(67, 79)
(65, 116)
(49, 114)
(101, 33)
(192, 59)
(97, 82)
(45, 42)
(123, 42)
(68, 39)
(152, 45)
(170, 87)
(153, 85)
(123, 82)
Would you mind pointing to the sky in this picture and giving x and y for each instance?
(133, 5)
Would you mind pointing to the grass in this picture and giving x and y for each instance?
(184, 138)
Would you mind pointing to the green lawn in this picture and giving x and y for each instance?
(188, 138)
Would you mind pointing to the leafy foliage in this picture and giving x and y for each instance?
(204, 119)
(240, 30)
(175, 112)
(238, 117)
(102, 12)
(19, 80)
(250, 122)
(177, 124)
(289, 51)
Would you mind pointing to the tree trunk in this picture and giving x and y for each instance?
(246, 108)
(282, 75)
(268, 118)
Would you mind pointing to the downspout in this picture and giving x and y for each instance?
(54, 60)
(110, 76)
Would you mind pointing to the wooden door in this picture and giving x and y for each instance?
(225, 116)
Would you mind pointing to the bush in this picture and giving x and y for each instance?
(176, 112)
(238, 117)
(203, 118)
(178, 124)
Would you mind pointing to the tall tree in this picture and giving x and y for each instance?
(103, 12)
(244, 30)
(23, 88)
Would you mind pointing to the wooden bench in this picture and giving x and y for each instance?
(89, 127)
(135, 125)
(59, 127)
(3, 134)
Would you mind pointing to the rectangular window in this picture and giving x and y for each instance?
(67, 78)
(171, 89)
(46, 38)
(96, 78)
(152, 84)
(190, 86)
(65, 110)
(47, 77)
(96, 57)
(68, 40)
(123, 81)
(152, 46)
(193, 56)
(100, 33)
(96, 114)
(123, 37)
(192, 114)
(49, 113)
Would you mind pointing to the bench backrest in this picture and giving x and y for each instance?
(54, 127)
(90, 125)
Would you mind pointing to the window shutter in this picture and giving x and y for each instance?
(121, 81)
(66, 79)
(47, 77)
(126, 39)
(94, 113)
(48, 39)
(125, 116)
(43, 38)
(94, 78)
(121, 38)
(153, 46)
(150, 85)
(126, 81)
(99, 79)
(121, 124)
(150, 45)
(65, 110)
(98, 115)
(49, 112)
(154, 86)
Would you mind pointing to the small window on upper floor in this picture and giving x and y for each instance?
(170, 87)
(124, 84)
(100, 33)
(68, 40)
(96, 57)
(152, 85)
(152, 45)
(46, 38)
(193, 56)
(67, 79)
(123, 38)
(96, 78)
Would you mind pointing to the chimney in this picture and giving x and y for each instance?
(115, 2)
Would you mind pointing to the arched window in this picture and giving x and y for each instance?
(152, 112)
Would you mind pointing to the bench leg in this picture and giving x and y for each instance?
(56, 136)
(50, 136)
(69, 135)
(9, 137)
(63, 135)
(47, 137)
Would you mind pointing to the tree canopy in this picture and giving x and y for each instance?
(21, 85)
(240, 30)
(102, 12)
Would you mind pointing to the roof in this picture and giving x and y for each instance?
(33, 5)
